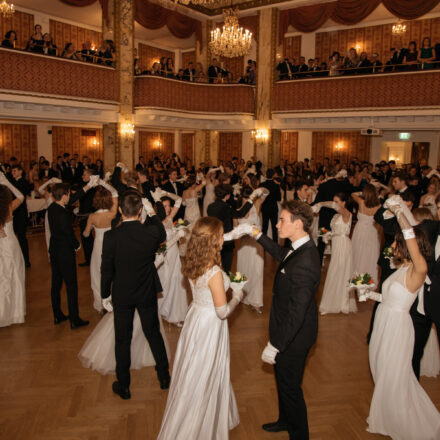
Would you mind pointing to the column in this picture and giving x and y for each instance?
(202, 53)
(178, 60)
(213, 146)
(248, 146)
(304, 145)
(124, 32)
(178, 143)
(266, 64)
(109, 145)
(201, 146)
(275, 148)
(376, 149)
(44, 141)
(108, 25)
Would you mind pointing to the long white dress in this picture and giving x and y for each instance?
(12, 279)
(400, 406)
(95, 267)
(173, 305)
(430, 363)
(98, 352)
(336, 297)
(192, 210)
(209, 197)
(250, 262)
(201, 403)
(366, 246)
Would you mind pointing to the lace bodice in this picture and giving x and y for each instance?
(339, 227)
(365, 219)
(191, 202)
(252, 219)
(200, 289)
(394, 292)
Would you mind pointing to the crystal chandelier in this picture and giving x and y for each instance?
(399, 28)
(231, 41)
(6, 9)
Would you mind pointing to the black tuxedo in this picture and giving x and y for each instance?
(187, 74)
(213, 71)
(170, 188)
(293, 327)
(20, 217)
(129, 275)
(49, 173)
(286, 70)
(140, 166)
(62, 247)
(225, 212)
(269, 208)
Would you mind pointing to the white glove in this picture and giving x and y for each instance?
(108, 187)
(122, 166)
(396, 205)
(341, 174)
(42, 188)
(239, 231)
(316, 208)
(107, 176)
(3, 178)
(236, 189)
(237, 289)
(199, 177)
(107, 304)
(221, 168)
(257, 193)
(91, 183)
(432, 173)
(269, 354)
(4, 181)
(157, 194)
(147, 207)
(177, 199)
(160, 258)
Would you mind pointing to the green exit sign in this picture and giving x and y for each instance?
(404, 136)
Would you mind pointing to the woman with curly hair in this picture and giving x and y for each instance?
(12, 271)
(201, 403)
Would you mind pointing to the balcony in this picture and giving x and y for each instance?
(411, 90)
(40, 75)
(168, 94)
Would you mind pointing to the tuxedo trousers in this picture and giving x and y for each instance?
(20, 227)
(87, 242)
(289, 371)
(123, 316)
(270, 213)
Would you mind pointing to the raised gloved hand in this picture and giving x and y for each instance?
(148, 207)
(177, 199)
(239, 231)
(122, 166)
(157, 194)
(269, 354)
(108, 187)
(55, 180)
(256, 193)
(107, 176)
(3, 178)
(107, 304)
(4, 181)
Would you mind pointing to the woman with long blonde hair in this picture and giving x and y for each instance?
(201, 403)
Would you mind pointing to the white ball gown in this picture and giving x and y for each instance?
(430, 363)
(201, 403)
(366, 246)
(400, 406)
(12, 279)
(209, 197)
(250, 262)
(192, 210)
(174, 303)
(336, 297)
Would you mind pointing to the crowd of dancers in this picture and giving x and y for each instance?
(152, 234)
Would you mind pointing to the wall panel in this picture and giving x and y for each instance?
(188, 146)
(153, 144)
(230, 145)
(289, 146)
(187, 57)
(292, 47)
(20, 141)
(22, 24)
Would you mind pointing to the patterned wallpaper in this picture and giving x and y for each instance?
(63, 33)
(187, 57)
(289, 146)
(71, 140)
(153, 144)
(20, 141)
(229, 145)
(353, 145)
(188, 146)
(292, 48)
(149, 54)
(22, 24)
(375, 39)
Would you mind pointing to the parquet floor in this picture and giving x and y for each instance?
(46, 394)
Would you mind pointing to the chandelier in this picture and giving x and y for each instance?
(231, 41)
(6, 9)
(399, 28)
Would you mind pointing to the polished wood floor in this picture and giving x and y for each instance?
(46, 394)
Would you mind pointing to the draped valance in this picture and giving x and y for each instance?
(348, 12)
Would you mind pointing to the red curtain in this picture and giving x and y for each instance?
(350, 12)
(410, 9)
(104, 5)
(153, 16)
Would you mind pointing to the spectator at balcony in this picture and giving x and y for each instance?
(427, 55)
(364, 64)
(180, 75)
(107, 54)
(351, 61)
(214, 70)
(335, 64)
(227, 75)
(189, 73)
(163, 65)
(314, 69)
(136, 68)
(48, 47)
(376, 63)
(301, 68)
(169, 68)
(250, 77)
(286, 69)
(156, 70)
(200, 75)
(87, 53)
(324, 69)
(220, 79)
(35, 43)
(10, 39)
(69, 52)
(411, 56)
(398, 56)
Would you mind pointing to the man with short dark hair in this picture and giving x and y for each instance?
(189, 72)
(214, 70)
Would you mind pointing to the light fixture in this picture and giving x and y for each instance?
(399, 28)
(231, 41)
(339, 146)
(157, 143)
(127, 130)
(6, 9)
(260, 135)
(358, 47)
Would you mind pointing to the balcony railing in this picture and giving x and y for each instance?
(51, 76)
(168, 94)
(377, 91)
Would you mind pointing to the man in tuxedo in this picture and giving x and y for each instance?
(214, 70)
(46, 172)
(189, 72)
(269, 208)
(62, 249)
(20, 215)
(398, 55)
(293, 325)
(141, 164)
(65, 168)
(175, 187)
(286, 69)
(222, 210)
(147, 186)
(129, 280)
(301, 68)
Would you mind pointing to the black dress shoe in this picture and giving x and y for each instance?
(78, 323)
(85, 264)
(122, 392)
(164, 382)
(60, 319)
(275, 427)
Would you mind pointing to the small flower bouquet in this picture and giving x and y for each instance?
(388, 253)
(324, 234)
(322, 231)
(238, 280)
(162, 249)
(181, 223)
(363, 283)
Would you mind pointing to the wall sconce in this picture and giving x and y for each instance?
(95, 142)
(358, 47)
(157, 143)
(260, 135)
(339, 146)
(127, 130)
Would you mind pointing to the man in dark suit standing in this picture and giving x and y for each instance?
(20, 215)
(293, 325)
(269, 208)
(174, 187)
(129, 281)
(141, 164)
(62, 248)
(222, 210)
(189, 72)
(46, 172)
(286, 69)
(214, 70)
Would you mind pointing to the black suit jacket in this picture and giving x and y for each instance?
(25, 188)
(213, 71)
(128, 272)
(294, 315)
(270, 202)
(170, 188)
(62, 238)
(50, 173)
(187, 74)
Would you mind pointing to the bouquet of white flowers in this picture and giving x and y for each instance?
(181, 223)
(324, 234)
(238, 281)
(364, 285)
